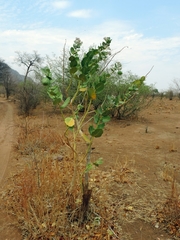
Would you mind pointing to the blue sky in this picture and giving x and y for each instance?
(150, 29)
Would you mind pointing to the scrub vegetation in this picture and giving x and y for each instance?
(63, 190)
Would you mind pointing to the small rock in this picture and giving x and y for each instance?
(59, 158)
(157, 225)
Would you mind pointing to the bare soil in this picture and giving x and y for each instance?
(6, 164)
(148, 147)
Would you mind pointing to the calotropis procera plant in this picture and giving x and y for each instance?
(88, 75)
(87, 79)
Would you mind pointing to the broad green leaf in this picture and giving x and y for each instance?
(46, 71)
(56, 98)
(85, 70)
(84, 62)
(91, 129)
(96, 118)
(97, 133)
(54, 90)
(143, 78)
(89, 167)
(98, 162)
(139, 82)
(72, 50)
(88, 58)
(93, 69)
(92, 53)
(106, 113)
(45, 81)
(73, 63)
(101, 126)
(100, 111)
(66, 102)
(69, 121)
(106, 119)
(82, 77)
(73, 70)
(56, 101)
(92, 93)
(99, 87)
(71, 58)
(133, 88)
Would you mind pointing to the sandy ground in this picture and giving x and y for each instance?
(6, 136)
(6, 141)
(145, 144)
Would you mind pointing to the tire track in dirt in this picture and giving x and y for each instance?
(6, 137)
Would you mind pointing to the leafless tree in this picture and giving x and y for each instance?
(31, 61)
(176, 83)
(28, 93)
(175, 87)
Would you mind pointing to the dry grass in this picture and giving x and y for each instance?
(168, 214)
(41, 199)
(45, 199)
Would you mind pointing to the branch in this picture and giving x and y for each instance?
(149, 71)
(112, 58)
(63, 65)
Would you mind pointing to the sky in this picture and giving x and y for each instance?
(149, 29)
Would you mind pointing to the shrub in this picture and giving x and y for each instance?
(28, 97)
(170, 94)
(125, 95)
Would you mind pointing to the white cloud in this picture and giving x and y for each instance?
(83, 13)
(61, 4)
(142, 53)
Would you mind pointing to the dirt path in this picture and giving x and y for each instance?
(7, 231)
(6, 136)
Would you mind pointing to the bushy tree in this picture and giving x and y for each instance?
(126, 94)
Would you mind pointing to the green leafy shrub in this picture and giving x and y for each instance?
(125, 94)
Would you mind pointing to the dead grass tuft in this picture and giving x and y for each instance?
(169, 213)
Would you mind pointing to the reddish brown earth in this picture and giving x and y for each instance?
(7, 232)
(148, 146)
